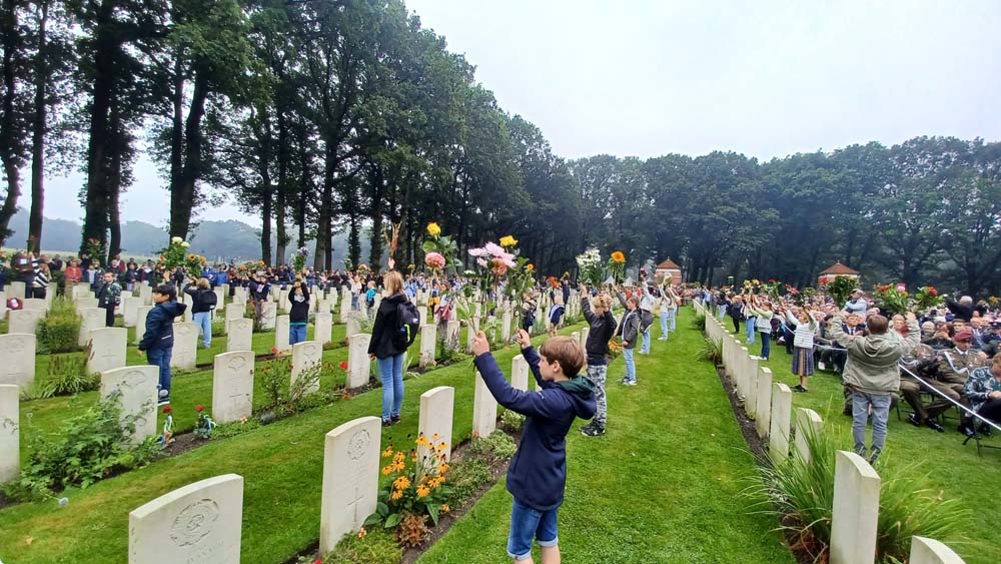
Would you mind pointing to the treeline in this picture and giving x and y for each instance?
(347, 116)
(925, 211)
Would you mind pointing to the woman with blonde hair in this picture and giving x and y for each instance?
(389, 345)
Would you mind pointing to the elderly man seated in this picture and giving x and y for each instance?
(983, 391)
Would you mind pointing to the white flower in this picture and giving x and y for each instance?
(185, 244)
(176, 239)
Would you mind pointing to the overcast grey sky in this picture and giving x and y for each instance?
(649, 77)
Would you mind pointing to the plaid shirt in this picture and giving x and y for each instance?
(979, 385)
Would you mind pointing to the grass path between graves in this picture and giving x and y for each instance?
(281, 463)
(663, 485)
(952, 469)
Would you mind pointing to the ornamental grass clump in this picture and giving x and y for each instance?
(712, 350)
(801, 496)
(66, 375)
(59, 330)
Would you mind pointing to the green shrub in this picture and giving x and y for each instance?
(66, 375)
(89, 447)
(375, 547)
(468, 476)
(801, 495)
(285, 397)
(59, 330)
(712, 350)
(511, 420)
(498, 446)
(699, 322)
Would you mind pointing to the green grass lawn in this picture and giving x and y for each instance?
(281, 464)
(953, 469)
(663, 485)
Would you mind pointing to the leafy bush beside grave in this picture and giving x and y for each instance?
(699, 322)
(285, 397)
(66, 375)
(89, 447)
(801, 496)
(59, 330)
(712, 350)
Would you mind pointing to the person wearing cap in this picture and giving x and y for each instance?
(857, 304)
(954, 366)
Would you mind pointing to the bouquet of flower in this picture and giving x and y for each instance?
(194, 264)
(614, 348)
(175, 254)
(204, 424)
(617, 266)
(839, 287)
(771, 288)
(994, 302)
(926, 298)
(752, 286)
(299, 260)
(891, 299)
(364, 270)
(95, 247)
(441, 252)
(589, 268)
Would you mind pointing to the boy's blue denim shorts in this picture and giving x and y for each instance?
(528, 524)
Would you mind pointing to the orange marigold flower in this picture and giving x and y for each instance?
(401, 483)
(618, 256)
(395, 496)
(423, 491)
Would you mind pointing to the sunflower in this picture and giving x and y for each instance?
(433, 229)
(618, 256)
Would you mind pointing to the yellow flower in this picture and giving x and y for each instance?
(433, 229)
(395, 496)
(423, 491)
(362, 533)
(401, 483)
(530, 267)
(508, 241)
(443, 467)
(618, 256)
(422, 440)
(435, 437)
(398, 467)
(445, 508)
(388, 452)
(387, 470)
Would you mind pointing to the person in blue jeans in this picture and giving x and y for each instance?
(761, 309)
(388, 346)
(629, 329)
(536, 477)
(203, 301)
(298, 314)
(158, 340)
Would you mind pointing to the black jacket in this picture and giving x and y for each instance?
(160, 326)
(201, 300)
(387, 320)
(300, 310)
(602, 330)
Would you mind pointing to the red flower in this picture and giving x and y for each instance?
(772, 280)
(167, 409)
(343, 365)
(932, 291)
(199, 408)
(274, 350)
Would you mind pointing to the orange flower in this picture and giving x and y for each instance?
(362, 533)
(401, 483)
(395, 496)
(445, 508)
(388, 452)
(618, 256)
(423, 491)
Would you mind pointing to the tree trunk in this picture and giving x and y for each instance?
(280, 203)
(322, 259)
(183, 199)
(177, 130)
(38, 137)
(9, 154)
(375, 254)
(266, 229)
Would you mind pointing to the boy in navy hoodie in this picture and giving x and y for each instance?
(158, 340)
(536, 476)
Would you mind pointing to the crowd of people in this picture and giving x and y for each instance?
(935, 359)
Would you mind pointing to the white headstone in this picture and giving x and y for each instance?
(519, 373)
(220, 297)
(855, 516)
(452, 334)
(141, 313)
(35, 303)
(306, 355)
(130, 307)
(358, 361)
(17, 290)
(751, 383)
(779, 422)
(269, 316)
(281, 334)
(927, 551)
(17, 359)
(354, 323)
(240, 294)
(190, 302)
(91, 318)
(429, 344)
(239, 335)
(763, 405)
(808, 423)
(506, 326)
(24, 320)
(583, 338)
(10, 446)
(185, 354)
(137, 385)
(423, 312)
(323, 327)
(484, 409)
(107, 349)
(232, 385)
(86, 302)
(436, 419)
(235, 311)
(350, 479)
(345, 304)
(200, 522)
(146, 294)
(323, 306)
(470, 335)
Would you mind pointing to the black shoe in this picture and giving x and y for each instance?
(387, 423)
(932, 424)
(595, 431)
(966, 429)
(395, 419)
(914, 420)
(799, 388)
(985, 430)
(874, 456)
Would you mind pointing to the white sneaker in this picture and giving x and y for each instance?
(630, 382)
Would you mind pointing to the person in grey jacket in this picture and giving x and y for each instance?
(629, 329)
(872, 374)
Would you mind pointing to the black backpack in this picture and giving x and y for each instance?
(209, 299)
(408, 323)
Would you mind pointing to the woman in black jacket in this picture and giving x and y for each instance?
(298, 314)
(388, 346)
(203, 301)
(599, 317)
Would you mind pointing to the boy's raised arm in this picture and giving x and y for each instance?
(532, 404)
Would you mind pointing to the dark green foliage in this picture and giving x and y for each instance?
(59, 330)
(66, 375)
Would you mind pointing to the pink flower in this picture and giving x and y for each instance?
(434, 260)
(481, 262)
(495, 249)
(477, 252)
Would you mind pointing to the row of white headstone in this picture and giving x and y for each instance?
(856, 484)
(202, 522)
